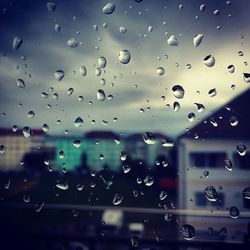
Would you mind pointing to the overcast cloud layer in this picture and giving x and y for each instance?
(46, 51)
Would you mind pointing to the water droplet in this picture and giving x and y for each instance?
(59, 74)
(70, 91)
(211, 193)
(163, 195)
(168, 217)
(233, 121)
(228, 164)
(176, 106)
(172, 41)
(20, 83)
(212, 92)
(178, 91)
(246, 77)
(150, 29)
(181, 7)
(200, 107)
(231, 68)
(191, 117)
(123, 156)
(197, 39)
(149, 138)
(80, 187)
(79, 122)
(188, 232)
(102, 62)
(216, 12)
(77, 143)
(234, 212)
(160, 71)
(51, 6)
(246, 193)
(135, 241)
(124, 56)
(202, 7)
(240, 53)
(26, 132)
(209, 61)
(72, 42)
(242, 149)
(118, 198)
(57, 27)
(39, 207)
(2, 149)
(31, 114)
(222, 232)
(100, 95)
(26, 198)
(148, 181)
(61, 154)
(108, 8)
(126, 168)
(17, 42)
(63, 186)
(206, 174)
(122, 29)
(83, 70)
(98, 71)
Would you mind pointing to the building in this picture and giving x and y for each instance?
(216, 153)
(15, 145)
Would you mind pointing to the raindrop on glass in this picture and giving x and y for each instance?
(17, 42)
(209, 61)
(172, 41)
(197, 39)
(59, 74)
(108, 8)
(178, 91)
(211, 193)
(124, 56)
(78, 122)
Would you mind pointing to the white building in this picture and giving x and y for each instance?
(208, 156)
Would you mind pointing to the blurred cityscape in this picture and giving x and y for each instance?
(196, 186)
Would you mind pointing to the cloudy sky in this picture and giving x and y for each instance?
(134, 86)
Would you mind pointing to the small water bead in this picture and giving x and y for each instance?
(233, 121)
(231, 68)
(14, 128)
(83, 70)
(26, 198)
(149, 138)
(124, 56)
(63, 186)
(61, 154)
(209, 61)
(234, 212)
(57, 27)
(77, 143)
(44, 95)
(216, 12)
(108, 8)
(211, 193)
(38, 207)
(122, 29)
(26, 132)
(2, 149)
(55, 96)
(178, 91)
(80, 98)
(188, 232)
(20, 83)
(242, 149)
(168, 217)
(72, 43)
(228, 164)
(197, 39)
(59, 74)
(160, 71)
(206, 174)
(118, 198)
(172, 41)
(135, 241)
(148, 181)
(188, 66)
(51, 6)
(246, 193)
(100, 95)
(98, 71)
(163, 195)
(212, 92)
(123, 156)
(200, 107)
(79, 122)
(126, 168)
(17, 42)
(102, 62)
(150, 29)
(191, 117)
(240, 53)
(31, 114)
(246, 77)
(45, 127)
(176, 106)
(70, 91)
(202, 7)
(181, 6)
(95, 27)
